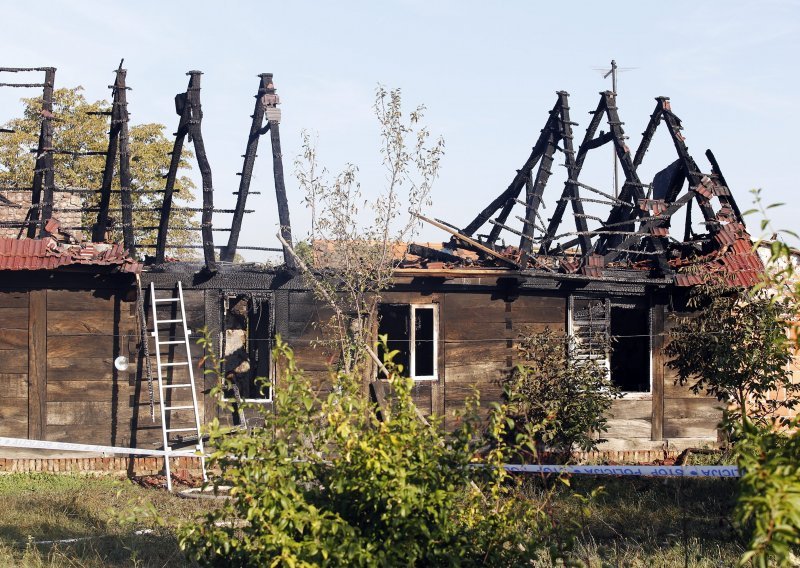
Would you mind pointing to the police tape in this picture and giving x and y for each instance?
(632, 470)
(90, 448)
(635, 470)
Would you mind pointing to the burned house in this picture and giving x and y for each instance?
(80, 363)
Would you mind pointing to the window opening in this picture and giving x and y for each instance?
(616, 335)
(413, 331)
(247, 348)
(630, 350)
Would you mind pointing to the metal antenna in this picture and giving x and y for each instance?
(613, 73)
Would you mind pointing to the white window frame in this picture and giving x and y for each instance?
(412, 342)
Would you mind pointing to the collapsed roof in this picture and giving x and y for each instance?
(633, 235)
(635, 232)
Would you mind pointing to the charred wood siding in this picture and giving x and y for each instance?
(480, 331)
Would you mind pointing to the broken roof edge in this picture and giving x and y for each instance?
(49, 254)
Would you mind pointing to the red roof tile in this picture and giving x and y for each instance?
(49, 254)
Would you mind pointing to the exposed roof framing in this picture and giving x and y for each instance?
(188, 107)
(636, 229)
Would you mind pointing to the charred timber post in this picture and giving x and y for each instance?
(693, 175)
(533, 194)
(196, 135)
(573, 171)
(99, 230)
(589, 142)
(43, 173)
(274, 119)
(126, 200)
(183, 110)
(265, 80)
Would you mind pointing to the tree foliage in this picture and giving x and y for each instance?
(356, 243)
(325, 483)
(769, 491)
(76, 130)
(734, 347)
(560, 401)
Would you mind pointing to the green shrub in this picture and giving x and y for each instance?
(768, 506)
(324, 482)
(559, 401)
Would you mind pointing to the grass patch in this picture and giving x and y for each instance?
(636, 522)
(633, 522)
(43, 507)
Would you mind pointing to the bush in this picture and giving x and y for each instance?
(768, 505)
(324, 482)
(558, 400)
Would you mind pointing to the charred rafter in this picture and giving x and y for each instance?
(636, 228)
(117, 144)
(266, 105)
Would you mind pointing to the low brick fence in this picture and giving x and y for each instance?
(181, 466)
(185, 465)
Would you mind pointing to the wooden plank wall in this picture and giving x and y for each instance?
(14, 364)
(479, 333)
(88, 399)
(57, 376)
(687, 415)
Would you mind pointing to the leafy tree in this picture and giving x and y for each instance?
(325, 483)
(76, 129)
(734, 347)
(355, 243)
(560, 401)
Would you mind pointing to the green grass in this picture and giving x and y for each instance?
(52, 507)
(645, 522)
(633, 522)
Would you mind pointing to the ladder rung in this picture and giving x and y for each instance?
(181, 430)
(190, 407)
(179, 364)
(180, 385)
(165, 300)
(177, 342)
(168, 321)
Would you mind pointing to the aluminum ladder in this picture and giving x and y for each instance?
(167, 426)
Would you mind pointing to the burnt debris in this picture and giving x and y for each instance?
(635, 233)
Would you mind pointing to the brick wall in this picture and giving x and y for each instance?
(22, 199)
(101, 465)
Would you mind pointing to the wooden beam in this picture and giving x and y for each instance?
(44, 160)
(280, 191)
(265, 81)
(37, 363)
(99, 230)
(468, 241)
(196, 133)
(181, 108)
(124, 167)
(657, 372)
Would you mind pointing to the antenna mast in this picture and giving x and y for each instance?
(613, 73)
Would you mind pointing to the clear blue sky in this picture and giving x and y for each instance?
(487, 72)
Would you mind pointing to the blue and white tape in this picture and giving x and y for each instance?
(634, 470)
